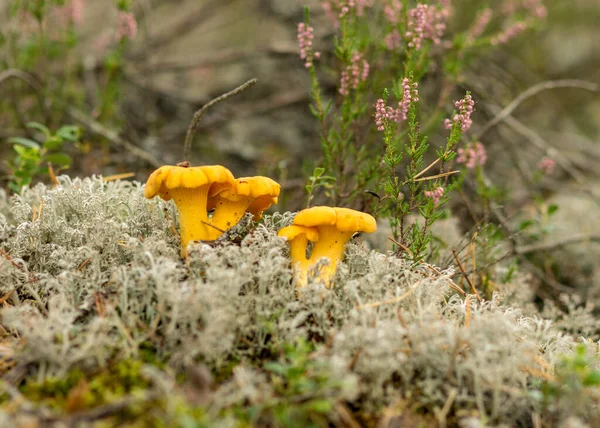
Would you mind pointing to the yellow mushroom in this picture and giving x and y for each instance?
(252, 194)
(189, 188)
(335, 227)
(298, 237)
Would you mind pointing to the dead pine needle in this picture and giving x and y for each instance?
(404, 247)
(118, 176)
(52, 175)
(187, 146)
(431, 165)
(433, 177)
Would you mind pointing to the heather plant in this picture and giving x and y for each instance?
(387, 144)
(41, 55)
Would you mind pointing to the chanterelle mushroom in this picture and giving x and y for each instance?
(298, 237)
(333, 228)
(189, 188)
(252, 194)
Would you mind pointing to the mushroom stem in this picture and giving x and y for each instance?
(191, 204)
(228, 213)
(300, 264)
(331, 244)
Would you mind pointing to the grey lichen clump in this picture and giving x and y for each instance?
(93, 275)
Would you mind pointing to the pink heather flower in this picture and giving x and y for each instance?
(481, 22)
(337, 9)
(410, 94)
(509, 34)
(305, 38)
(356, 72)
(546, 165)
(465, 108)
(436, 194)
(472, 156)
(393, 40)
(71, 12)
(127, 26)
(426, 22)
(392, 11)
(383, 113)
(535, 8)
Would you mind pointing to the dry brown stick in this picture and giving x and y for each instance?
(187, 146)
(462, 269)
(102, 411)
(582, 237)
(111, 135)
(539, 87)
(564, 162)
(29, 79)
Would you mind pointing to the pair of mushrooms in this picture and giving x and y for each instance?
(329, 230)
(198, 190)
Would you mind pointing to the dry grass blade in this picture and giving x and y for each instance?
(462, 269)
(119, 176)
(433, 177)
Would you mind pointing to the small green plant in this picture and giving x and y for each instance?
(576, 383)
(33, 158)
(316, 180)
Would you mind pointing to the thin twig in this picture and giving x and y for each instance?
(564, 162)
(542, 86)
(462, 269)
(433, 177)
(187, 146)
(575, 239)
(452, 283)
(428, 168)
(28, 78)
(104, 411)
(404, 247)
(112, 136)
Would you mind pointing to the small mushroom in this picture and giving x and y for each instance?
(298, 237)
(334, 227)
(189, 188)
(252, 194)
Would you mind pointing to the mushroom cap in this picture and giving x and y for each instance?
(291, 232)
(344, 219)
(262, 191)
(169, 177)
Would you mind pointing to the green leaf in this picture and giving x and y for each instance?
(525, 224)
(69, 133)
(318, 172)
(592, 379)
(319, 406)
(276, 368)
(26, 153)
(26, 142)
(552, 208)
(59, 159)
(53, 143)
(42, 128)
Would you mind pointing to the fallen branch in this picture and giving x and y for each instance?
(542, 86)
(111, 135)
(187, 146)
